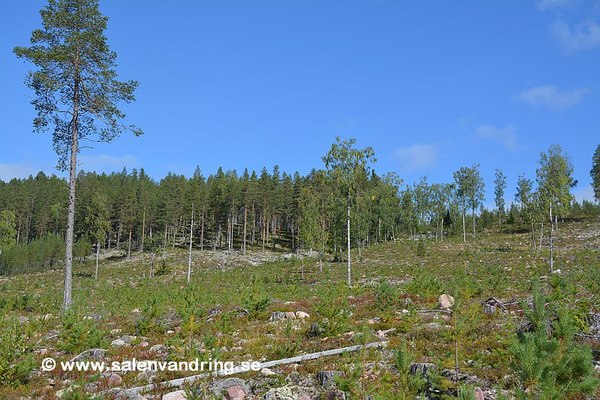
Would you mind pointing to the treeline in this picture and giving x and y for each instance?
(267, 210)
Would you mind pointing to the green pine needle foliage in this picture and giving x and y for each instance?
(549, 364)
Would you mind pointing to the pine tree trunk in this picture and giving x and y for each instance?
(129, 244)
(68, 272)
(152, 265)
(143, 231)
(245, 226)
(97, 257)
(202, 233)
(119, 231)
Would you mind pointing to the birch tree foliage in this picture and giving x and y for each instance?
(555, 180)
(499, 188)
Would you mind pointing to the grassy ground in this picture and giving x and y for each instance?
(397, 286)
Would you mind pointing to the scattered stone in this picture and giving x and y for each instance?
(41, 352)
(491, 305)
(277, 316)
(235, 393)
(478, 394)
(315, 330)
(336, 395)
(93, 317)
(96, 354)
(594, 324)
(215, 311)
(158, 348)
(291, 392)
(144, 343)
(267, 372)
(170, 320)
(446, 301)
(290, 315)
(124, 395)
(220, 388)
(422, 368)
(327, 378)
(91, 387)
(118, 343)
(178, 395)
(302, 315)
(374, 321)
(114, 380)
(241, 312)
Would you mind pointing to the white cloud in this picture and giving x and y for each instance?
(417, 157)
(550, 97)
(104, 162)
(584, 193)
(548, 4)
(585, 36)
(507, 136)
(10, 171)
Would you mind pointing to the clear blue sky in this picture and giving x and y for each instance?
(430, 85)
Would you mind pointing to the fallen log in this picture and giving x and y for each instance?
(178, 383)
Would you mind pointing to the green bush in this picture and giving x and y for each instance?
(385, 296)
(16, 360)
(77, 335)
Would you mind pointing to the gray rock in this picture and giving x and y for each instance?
(327, 378)
(315, 330)
(290, 392)
(422, 368)
(170, 320)
(336, 395)
(219, 388)
(277, 316)
(118, 343)
(96, 354)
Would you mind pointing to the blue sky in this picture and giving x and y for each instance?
(430, 85)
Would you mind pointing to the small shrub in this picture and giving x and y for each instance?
(547, 361)
(421, 248)
(385, 296)
(77, 335)
(16, 361)
(409, 385)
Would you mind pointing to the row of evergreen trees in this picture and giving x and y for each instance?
(272, 210)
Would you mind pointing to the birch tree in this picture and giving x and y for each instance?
(346, 165)
(555, 180)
